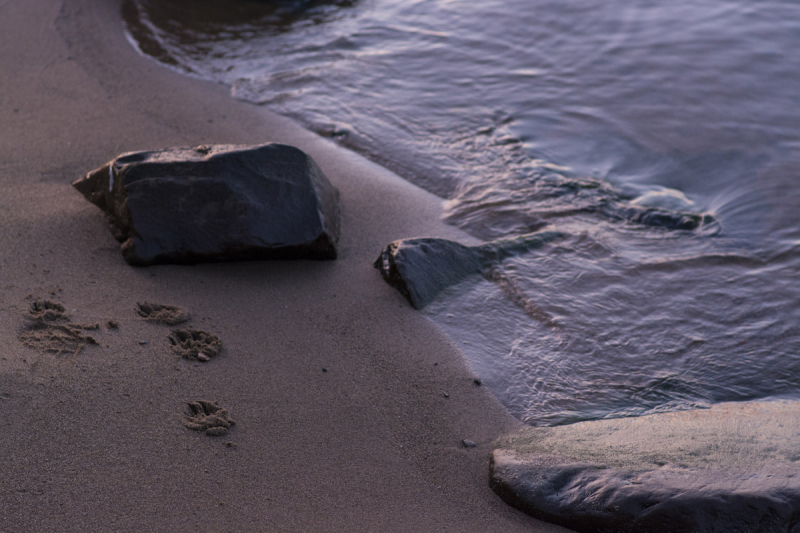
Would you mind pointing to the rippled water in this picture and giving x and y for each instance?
(662, 137)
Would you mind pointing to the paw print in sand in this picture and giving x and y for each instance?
(203, 415)
(195, 344)
(56, 339)
(45, 331)
(47, 311)
(166, 314)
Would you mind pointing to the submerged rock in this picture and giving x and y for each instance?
(421, 268)
(217, 203)
(732, 468)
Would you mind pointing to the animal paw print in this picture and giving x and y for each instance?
(195, 344)
(202, 415)
(166, 314)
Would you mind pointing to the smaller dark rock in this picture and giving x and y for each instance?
(477, 382)
(469, 443)
(421, 268)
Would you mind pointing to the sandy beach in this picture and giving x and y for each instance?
(350, 406)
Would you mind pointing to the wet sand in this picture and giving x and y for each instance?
(350, 407)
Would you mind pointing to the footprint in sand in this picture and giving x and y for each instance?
(165, 314)
(195, 344)
(188, 343)
(203, 415)
(44, 333)
(47, 311)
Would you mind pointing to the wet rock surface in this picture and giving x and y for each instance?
(421, 268)
(733, 468)
(217, 203)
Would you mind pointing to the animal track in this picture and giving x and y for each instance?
(202, 415)
(195, 344)
(47, 311)
(166, 314)
(56, 339)
(42, 334)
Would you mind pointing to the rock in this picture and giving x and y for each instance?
(469, 443)
(421, 268)
(217, 203)
(733, 468)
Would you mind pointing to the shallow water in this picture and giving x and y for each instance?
(662, 137)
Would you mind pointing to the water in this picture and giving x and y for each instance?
(661, 137)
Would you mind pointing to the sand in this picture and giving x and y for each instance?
(350, 406)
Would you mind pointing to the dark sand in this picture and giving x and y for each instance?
(95, 440)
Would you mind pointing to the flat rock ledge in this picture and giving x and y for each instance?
(217, 203)
(734, 468)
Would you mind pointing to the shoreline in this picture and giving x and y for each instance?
(95, 441)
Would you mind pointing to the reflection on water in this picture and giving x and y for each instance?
(662, 137)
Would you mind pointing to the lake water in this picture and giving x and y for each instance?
(662, 137)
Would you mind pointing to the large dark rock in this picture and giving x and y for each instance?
(734, 468)
(421, 268)
(217, 203)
